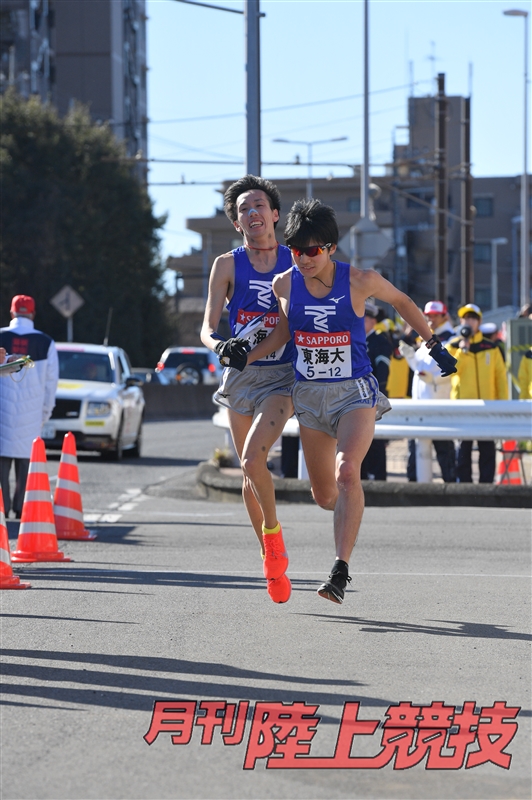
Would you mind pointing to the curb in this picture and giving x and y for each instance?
(214, 484)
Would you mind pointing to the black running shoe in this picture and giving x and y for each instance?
(334, 588)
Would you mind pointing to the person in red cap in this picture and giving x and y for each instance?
(26, 403)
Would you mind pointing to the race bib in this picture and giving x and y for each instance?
(323, 356)
(257, 332)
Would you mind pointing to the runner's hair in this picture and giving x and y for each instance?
(310, 220)
(245, 184)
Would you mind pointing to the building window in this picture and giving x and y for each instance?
(353, 205)
(484, 206)
(426, 196)
(483, 296)
(482, 252)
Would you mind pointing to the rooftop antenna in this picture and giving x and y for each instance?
(433, 58)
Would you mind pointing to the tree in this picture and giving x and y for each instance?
(72, 211)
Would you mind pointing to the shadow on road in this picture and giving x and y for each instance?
(123, 687)
(472, 630)
(195, 580)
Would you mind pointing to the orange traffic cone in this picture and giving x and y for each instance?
(509, 471)
(37, 540)
(7, 579)
(68, 510)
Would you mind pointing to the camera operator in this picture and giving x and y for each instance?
(481, 375)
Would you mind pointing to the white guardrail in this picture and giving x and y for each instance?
(425, 420)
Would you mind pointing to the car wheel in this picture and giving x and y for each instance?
(116, 453)
(136, 450)
(188, 375)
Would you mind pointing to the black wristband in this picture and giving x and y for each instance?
(433, 341)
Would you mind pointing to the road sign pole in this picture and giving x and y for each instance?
(70, 329)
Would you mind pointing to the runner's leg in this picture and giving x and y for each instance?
(240, 425)
(355, 434)
(267, 426)
(320, 457)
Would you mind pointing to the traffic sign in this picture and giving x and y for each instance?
(366, 243)
(67, 301)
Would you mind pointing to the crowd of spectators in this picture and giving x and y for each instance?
(404, 369)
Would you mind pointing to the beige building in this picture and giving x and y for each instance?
(404, 210)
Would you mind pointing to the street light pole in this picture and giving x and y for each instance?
(525, 210)
(309, 146)
(364, 184)
(309, 179)
(494, 277)
(252, 18)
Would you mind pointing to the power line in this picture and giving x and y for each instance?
(285, 108)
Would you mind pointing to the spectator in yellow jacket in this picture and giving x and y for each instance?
(481, 375)
(524, 376)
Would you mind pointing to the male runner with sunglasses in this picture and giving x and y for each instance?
(259, 401)
(336, 397)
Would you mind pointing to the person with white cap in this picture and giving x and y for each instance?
(25, 403)
(490, 331)
(480, 375)
(428, 384)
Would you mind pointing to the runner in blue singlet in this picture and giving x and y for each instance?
(258, 400)
(336, 398)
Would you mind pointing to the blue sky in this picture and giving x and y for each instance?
(311, 51)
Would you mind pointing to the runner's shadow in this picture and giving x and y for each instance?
(470, 630)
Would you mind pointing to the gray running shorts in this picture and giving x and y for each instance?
(244, 391)
(320, 405)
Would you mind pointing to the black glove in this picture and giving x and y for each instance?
(233, 353)
(442, 357)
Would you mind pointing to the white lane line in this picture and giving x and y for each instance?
(92, 518)
(177, 514)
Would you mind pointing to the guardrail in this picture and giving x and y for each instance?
(425, 420)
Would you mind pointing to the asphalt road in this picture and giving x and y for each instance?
(169, 604)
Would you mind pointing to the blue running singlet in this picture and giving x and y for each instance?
(252, 297)
(329, 338)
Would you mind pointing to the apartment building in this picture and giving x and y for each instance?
(92, 52)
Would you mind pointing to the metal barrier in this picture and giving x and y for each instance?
(425, 420)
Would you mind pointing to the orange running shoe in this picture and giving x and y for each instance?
(275, 555)
(279, 589)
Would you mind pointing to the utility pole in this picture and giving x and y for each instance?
(364, 183)
(252, 19)
(467, 234)
(441, 192)
(368, 243)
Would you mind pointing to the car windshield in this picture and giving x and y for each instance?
(85, 366)
(200, 360)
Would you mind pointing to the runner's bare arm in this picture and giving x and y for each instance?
(371, 284)
(281, 334)
(221, 284)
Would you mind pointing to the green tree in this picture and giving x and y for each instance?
(72, 211)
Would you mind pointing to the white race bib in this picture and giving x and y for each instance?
(257, 332)
(323, 356)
